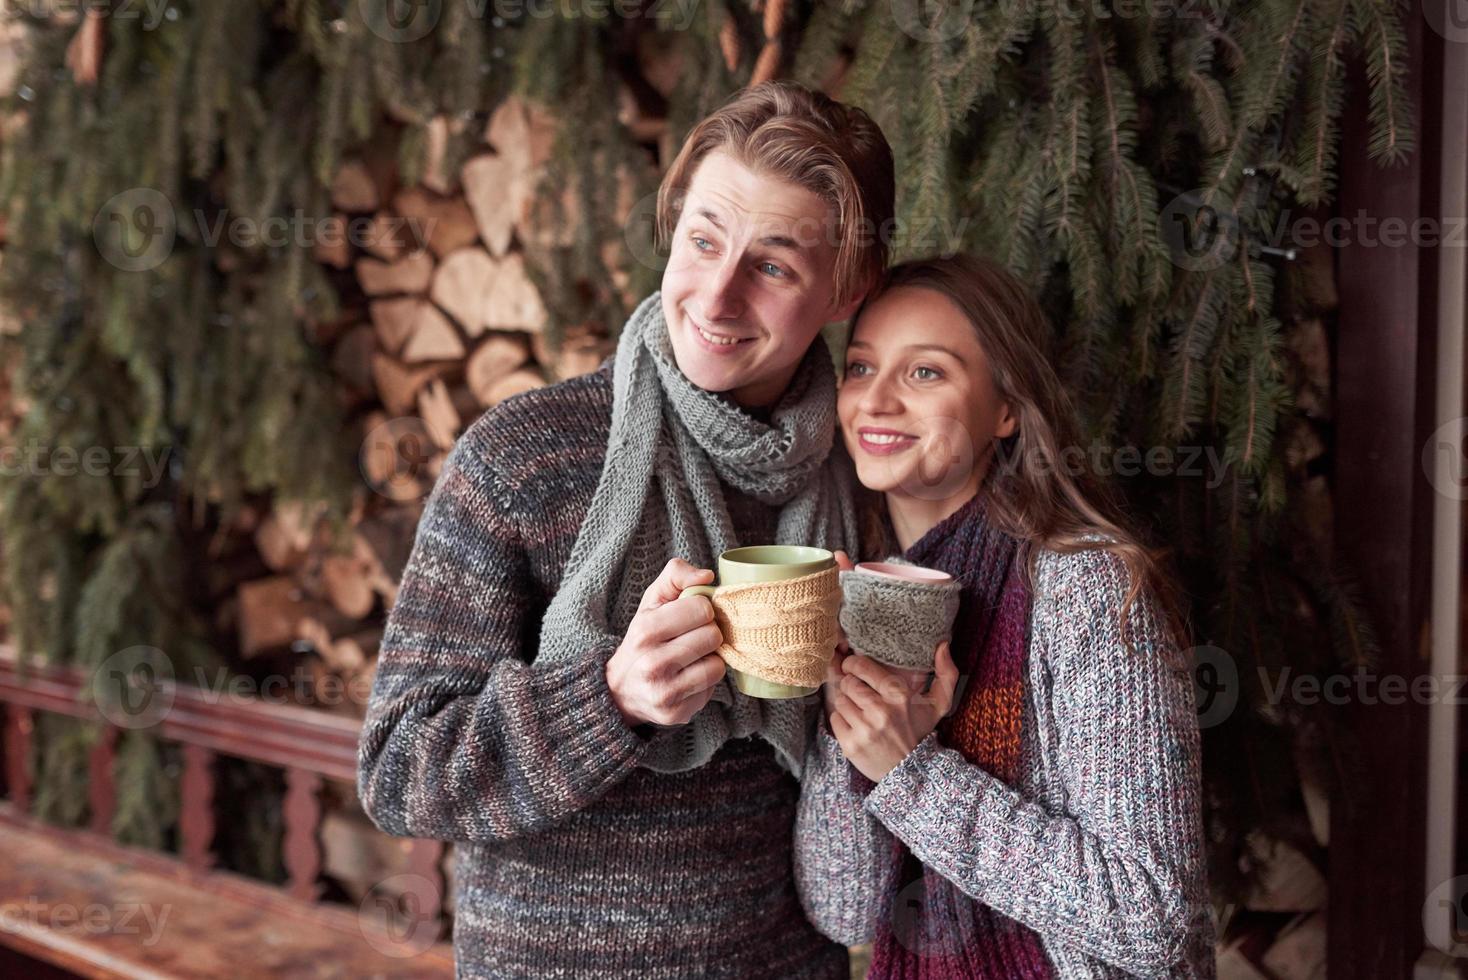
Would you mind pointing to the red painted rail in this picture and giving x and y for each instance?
(309, 745)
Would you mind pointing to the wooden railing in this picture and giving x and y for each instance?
(310, 746)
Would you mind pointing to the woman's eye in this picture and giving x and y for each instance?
(927, 374)
(702, 244)
(771, 269)
(856, 369)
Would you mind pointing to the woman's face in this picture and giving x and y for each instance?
(918, 407)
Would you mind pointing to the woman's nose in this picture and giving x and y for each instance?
(880, 398)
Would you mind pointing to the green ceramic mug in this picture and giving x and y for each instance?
(766, 563)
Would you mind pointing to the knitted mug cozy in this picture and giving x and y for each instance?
(897, 622)
(782, 631)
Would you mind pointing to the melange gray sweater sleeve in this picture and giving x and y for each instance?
(464, 739)
(844, 857)
(1116, 870)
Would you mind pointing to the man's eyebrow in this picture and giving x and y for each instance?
(781, 241)
(770, 241)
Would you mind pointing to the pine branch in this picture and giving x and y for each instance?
(1192, 61)
(1323, 98)
(1265, 90)
(1392, 135)
(1183, 386)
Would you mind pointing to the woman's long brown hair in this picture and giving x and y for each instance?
(1032, 493)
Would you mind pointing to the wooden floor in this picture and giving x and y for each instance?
(106, 917)
(13, 964)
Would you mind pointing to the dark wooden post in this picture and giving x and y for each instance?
(425, 859)
(196, 817)
(101, 788)
(18, 727)
(1385, 404)
(302, 832)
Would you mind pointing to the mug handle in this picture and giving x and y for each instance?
(704, 590)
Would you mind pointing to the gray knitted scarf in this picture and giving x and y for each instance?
(660, 497)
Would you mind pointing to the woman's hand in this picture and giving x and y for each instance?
(843, 564)
(880, 714)
(832, 682)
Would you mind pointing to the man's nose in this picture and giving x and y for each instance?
(723, 297)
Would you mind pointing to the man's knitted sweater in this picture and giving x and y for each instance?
(571, 860)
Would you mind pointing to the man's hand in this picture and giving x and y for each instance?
(880, 714)
(666, 668)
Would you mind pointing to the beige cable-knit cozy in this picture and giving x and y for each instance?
(782, 631)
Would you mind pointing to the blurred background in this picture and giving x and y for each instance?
(262, 261)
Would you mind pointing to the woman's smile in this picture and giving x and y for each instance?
(883, 442)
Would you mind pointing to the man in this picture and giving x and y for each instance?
(543, 696)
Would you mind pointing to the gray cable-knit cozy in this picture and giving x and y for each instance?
(898, 622)
(671, 444)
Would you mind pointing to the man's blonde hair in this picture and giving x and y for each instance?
(836, 151)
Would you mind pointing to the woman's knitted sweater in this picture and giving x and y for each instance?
(571, 859)
(1099, 846)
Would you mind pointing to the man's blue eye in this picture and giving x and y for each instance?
(699, 243)
(766, 266)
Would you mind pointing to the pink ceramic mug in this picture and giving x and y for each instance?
(912, 573)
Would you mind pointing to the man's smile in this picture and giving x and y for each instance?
(715, 341)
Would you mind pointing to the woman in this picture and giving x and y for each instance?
(1050, 824)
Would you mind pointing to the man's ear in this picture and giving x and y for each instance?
(843, 313)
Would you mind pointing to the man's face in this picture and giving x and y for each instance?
(750, 280)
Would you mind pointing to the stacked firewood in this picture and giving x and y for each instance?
(441, 321)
